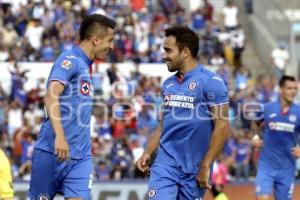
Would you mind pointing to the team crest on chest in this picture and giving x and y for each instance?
(151, 193)
(85, 88)
(192, 85)
(292, 118)
(43, 197)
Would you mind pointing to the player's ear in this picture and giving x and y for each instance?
(186, 52)
(95, 40)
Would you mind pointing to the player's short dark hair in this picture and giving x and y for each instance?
(185, 37)
(93, 23)
(284, 79)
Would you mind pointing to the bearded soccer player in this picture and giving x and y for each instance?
(62, 162)
(280, 122)
(194, 123)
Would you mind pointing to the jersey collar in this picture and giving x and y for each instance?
(180, 77)
(79, 52)
(284, 112)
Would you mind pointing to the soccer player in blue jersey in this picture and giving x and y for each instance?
(281, 126)
(62, 162)
(194, 123)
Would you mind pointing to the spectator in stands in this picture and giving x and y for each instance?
(112, 73)
(208, 10)
(280, 58)
(15, 118)
(238, 44)
(102, 171)
(242, 155)
(230, 16)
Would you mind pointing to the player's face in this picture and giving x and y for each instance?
(104, 45)
(289, 91)
(171, 54)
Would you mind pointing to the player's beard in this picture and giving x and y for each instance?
(174, 65)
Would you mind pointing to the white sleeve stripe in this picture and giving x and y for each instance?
(219, 104)
(62, 82)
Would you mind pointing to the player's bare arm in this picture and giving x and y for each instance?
(144, 161)
(53, 110)
(296, 151)
(220, 134)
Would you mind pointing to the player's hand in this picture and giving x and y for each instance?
(61, 148)
(143, 163)
(257, 143)
(296, 152)
(203, 177)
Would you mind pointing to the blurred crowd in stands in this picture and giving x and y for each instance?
(36, 30)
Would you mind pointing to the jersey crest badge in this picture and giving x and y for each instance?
(192, 85)
(292, 118)
(66, 64)
(151, 193)
(43, 197)
(85, 88)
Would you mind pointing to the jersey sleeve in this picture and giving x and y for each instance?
(215, 91)
(63, 70)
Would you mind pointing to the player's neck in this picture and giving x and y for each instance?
(189, 65)
(284, 103)
(87, 49)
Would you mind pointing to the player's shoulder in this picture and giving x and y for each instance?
(296, 107)
(169, 80)
(68, 55)
(209, 76)
(67, 60)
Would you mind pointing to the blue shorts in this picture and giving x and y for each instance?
(281, 182)
(72, 178)
(169, 183)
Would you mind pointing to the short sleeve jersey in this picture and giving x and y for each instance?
(187, 122)
(280, 135)
(72, 69)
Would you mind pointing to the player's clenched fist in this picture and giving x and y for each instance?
(143, 163)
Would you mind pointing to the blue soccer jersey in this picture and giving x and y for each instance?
(187, 122)
(276, 167)
(72, 69)
(280, 135)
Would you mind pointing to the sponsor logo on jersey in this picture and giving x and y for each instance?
(71, 56)
(217, 78)
(66, 64)
(192, 85)
(282, 126)
(171, 84)
(85, 88)
(180, 101)
(151, 193)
